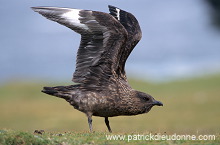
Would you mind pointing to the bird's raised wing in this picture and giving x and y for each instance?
(102, 37)
(134, 33)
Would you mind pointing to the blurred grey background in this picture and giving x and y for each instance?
(181, 39)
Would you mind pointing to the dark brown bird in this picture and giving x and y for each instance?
(106, 42)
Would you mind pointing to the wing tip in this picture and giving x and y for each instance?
(38, 9)
(112, 7)
(34, 8)
(114, 11)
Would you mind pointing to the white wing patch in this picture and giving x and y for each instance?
(118, 13)
(62, 15)
(73, 17)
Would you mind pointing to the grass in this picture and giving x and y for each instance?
(64, 138)
(190, 107)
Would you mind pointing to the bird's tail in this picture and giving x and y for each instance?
(65, 92)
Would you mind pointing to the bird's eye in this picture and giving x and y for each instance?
(146, 99)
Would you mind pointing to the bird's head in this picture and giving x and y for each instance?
(147, 101)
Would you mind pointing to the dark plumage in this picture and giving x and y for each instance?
(106, 42)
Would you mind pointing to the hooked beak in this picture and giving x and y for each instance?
(158, 103)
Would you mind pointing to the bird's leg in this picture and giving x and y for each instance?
(107, 124)
(90, 122)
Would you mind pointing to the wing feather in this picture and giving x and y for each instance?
(102, 38)
(134, 34)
